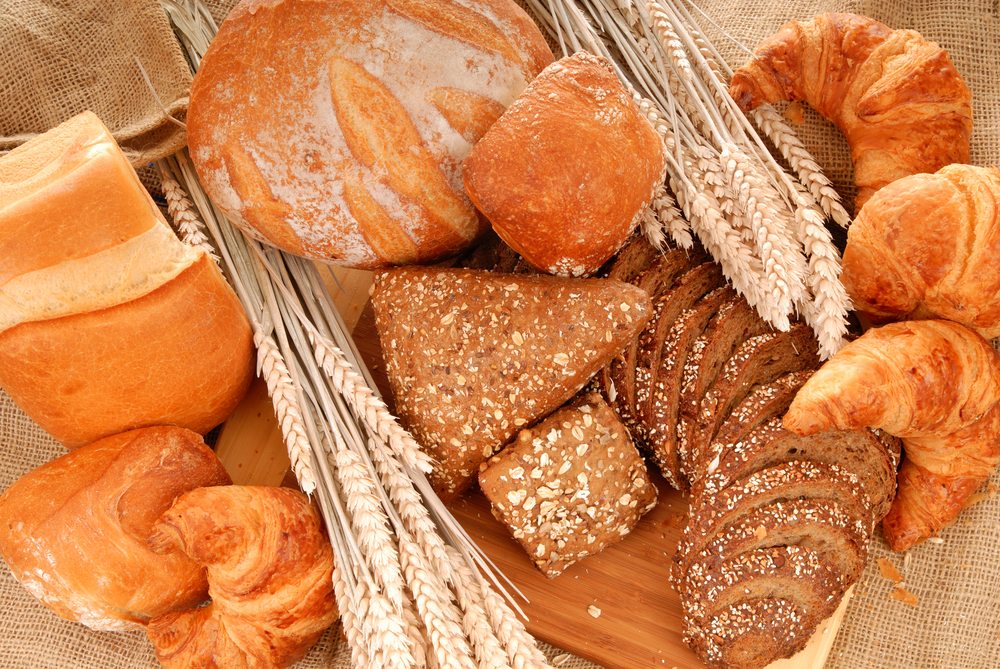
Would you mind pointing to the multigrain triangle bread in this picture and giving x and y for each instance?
(473, 357)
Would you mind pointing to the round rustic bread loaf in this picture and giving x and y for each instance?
(337, 130)
(566, 174)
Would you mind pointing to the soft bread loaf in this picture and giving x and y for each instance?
(566, 173)
(896, 266)
(73, 531)
(107, 321)
(337, 130)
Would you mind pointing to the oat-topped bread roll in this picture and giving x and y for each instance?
(337, 130)
(897, 266)
(270, 576)
(73, 531)
(108, 322)
(566, 173)
(901, 104)
(569, 487)
(473, 357)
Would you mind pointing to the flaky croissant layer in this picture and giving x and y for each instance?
(270, 576)
(901, 104)
(936, 384)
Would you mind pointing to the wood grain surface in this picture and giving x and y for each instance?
(636, 619)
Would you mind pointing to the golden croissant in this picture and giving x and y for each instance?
(270, 577)
(896, 266)
(936, 384)
(898, 99)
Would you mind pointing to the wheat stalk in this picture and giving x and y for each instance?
(190, 227)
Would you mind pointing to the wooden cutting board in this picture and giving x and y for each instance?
(636, 619)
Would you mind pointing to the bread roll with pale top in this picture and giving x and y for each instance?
(566, 173)
(337, 130)
(73, 531)
(928, 246)
(108, 322)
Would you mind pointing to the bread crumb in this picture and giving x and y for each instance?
(889, 571)
(594, 611)
(975, 499)
(795, 114)
(905, 596)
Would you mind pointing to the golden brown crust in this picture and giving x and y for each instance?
(899, 101)
(915, 378)
(180, 355)
(73, 531)
(937, 477)
(293, 104)
(575, 147)
(896, 266)
(270, 576)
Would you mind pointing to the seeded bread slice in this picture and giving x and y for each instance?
(860, 452)
(734, 323)
(758, 360)
(787, 481)
(767, 401)
(750, 634)
(792, 573)
(821, 525)
(635, 256)
(657, 279)
(569, 487)
(758, 580)
(473, 357)
(657, 397)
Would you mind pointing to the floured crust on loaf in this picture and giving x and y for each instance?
(569, 487)
(473, 357)
(337, 131)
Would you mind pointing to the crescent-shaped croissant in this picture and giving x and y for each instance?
(936, 384)
(270, 577)
(898, 99)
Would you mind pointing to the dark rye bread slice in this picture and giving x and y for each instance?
(735, 322)
(758, 360)
(473, 357)
(821, 525)
(750, 634)
(860, 452)
(655, 280)
(791, 587)
(787, 481)
(792, 573)
(767, 401)
(658, 397)
(635, 256)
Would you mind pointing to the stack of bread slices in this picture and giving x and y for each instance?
(779, 524)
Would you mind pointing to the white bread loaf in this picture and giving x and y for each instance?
(337, 131)
(108, 322)
(74, 531)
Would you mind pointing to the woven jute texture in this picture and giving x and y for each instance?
(59, 59)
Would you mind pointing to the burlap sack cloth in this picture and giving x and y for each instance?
(55, 62)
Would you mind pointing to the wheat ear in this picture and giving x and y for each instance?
(800, 160)
(190, 227)
(489, 653)
(271, 366)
